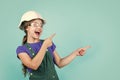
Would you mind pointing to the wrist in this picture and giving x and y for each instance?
(45, 45)
(75, 54)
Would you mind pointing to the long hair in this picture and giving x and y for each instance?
(24, 25)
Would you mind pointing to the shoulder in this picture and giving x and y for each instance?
(52, 48)
(21, 49)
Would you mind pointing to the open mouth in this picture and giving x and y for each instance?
(37, 33)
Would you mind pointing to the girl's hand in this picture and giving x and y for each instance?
(48, 41)
(81, 51)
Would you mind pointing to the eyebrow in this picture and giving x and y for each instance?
(37, 22)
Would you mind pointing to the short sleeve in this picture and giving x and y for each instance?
(20, 49)
(53, 47)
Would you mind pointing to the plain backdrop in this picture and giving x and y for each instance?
(77, 23)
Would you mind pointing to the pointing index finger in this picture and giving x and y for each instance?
(87, 47)
(52, 35)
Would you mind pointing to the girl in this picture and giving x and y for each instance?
(39, 56)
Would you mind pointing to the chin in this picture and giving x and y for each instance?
(36, 37)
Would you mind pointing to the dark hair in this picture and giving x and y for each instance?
(24, 25)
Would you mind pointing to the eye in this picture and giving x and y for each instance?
(35, 24)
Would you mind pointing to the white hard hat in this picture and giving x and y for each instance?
(29, 16)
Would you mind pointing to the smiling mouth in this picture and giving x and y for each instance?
(37, 33)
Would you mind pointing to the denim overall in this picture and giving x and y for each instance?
(46, 70)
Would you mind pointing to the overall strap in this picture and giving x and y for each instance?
(32, 52)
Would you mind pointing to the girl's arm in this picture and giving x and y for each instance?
(61, 62)
(36, 61)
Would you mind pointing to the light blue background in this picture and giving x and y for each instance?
(77, 23)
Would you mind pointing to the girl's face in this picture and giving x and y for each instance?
(35, 29)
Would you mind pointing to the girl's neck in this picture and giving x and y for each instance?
(32, 40)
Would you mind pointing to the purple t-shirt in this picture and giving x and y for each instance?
(36, 47)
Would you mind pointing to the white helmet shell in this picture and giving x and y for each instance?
(29, 16)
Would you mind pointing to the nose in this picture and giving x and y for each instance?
(39, 28)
